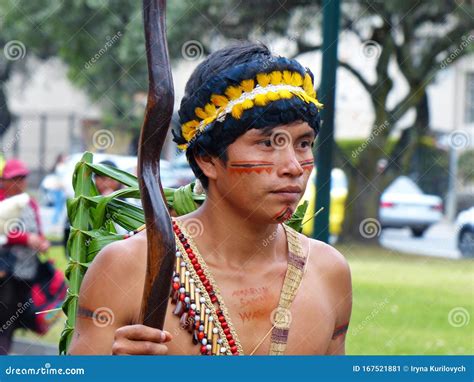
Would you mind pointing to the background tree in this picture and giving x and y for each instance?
(420, 39)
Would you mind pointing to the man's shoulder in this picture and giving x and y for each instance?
(122, 257)
(324, 258)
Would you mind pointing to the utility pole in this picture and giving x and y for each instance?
(326, 135)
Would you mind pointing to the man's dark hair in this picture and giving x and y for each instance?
(214, 142)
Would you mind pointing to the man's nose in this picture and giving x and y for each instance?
(288, 164)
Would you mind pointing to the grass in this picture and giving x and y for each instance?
(402, 304)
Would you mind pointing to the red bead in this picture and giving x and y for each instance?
(181, 297)
(232, 343)
(197, 267)
(214, 298)
(218, 312)
(235, 353)
(175, 286)
(200, 272)
(228, 336)
(192, 313)
(202, 277)
(233, 349)
(200, 335)
(204, 349)
(227, 331)
(194, 261)
(209, 288)
(205, 282)
(191, 256)
(224, 325)
(221, 319)
(189, 250)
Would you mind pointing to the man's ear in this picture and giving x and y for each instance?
(208, 165)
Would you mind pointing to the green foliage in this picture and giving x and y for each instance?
(466, 167)
(93, 218)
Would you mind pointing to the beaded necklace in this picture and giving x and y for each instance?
(201, 308)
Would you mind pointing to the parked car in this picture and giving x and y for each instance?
(465, 224)
(404, 205)
(338, 196)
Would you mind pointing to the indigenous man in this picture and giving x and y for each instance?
(244, 283)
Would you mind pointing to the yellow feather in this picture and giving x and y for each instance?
(183, 147)
(308, 86)
(248, 85)
(275, 77)
(273, 96)
(260, 100)
(200, 113)
(263, 79)
(189, 129)
(233, 92)
(219, 100)
(285, 94)
(237, 111)
(287, 77)
(296, 79)
(210, 109)
(247, 104)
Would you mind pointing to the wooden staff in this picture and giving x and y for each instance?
(159, 109)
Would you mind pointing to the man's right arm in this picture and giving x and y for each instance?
(109, 301)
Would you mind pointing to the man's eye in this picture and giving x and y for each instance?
(305, 144)
(266, 143)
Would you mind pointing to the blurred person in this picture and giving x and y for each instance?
(104, 184)
(24, 239)
(59, 195)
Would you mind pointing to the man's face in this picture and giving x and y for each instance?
(267, 171)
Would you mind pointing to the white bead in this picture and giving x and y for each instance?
(208, 310)
(178, 254)
(193, 306)
(182, 290)
(183, 264)
(186, 273)
(176, 279)
(209, 347)
(219, 340)
(198, 290)
(191, 281)
(204, 341)
(187, 300)
(202, 300)
(223, 349)
(215, 330)
(201, 328)
(131, 233)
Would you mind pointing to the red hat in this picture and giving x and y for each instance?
(14, 168)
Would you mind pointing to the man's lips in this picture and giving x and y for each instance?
(290, 193)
